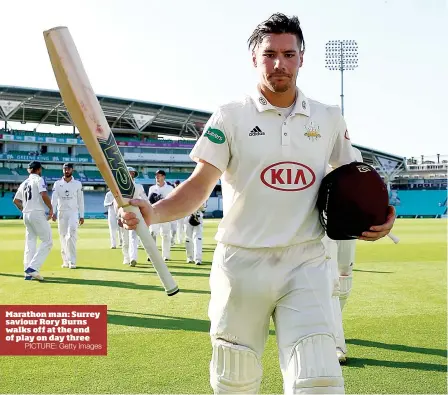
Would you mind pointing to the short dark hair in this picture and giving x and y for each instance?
(277, 24)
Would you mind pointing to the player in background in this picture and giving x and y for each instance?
(130, 237)
(271, 146)
(112, 220)
(180, 223)
(157, 192)
(193, 236)
(67, 200)
(32, 200)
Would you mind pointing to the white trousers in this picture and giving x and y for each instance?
(129, 246)
(193, 242)
(68, 235)
(180, 230)
(114, 228)
(291, 285)
(37, 225)
(164, 230)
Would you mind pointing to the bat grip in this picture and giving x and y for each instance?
(150, 246)
(394, 238)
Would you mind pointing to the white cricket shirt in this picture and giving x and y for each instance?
(108, 199)
(139, 191)
(68, 196)
(272, 167)
(160, 190)
(29, 193)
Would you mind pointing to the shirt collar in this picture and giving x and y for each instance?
(301, 107)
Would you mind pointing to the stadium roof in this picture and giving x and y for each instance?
(42, 106)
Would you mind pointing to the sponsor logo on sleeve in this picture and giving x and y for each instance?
(215, 136)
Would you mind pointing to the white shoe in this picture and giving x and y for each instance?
(34, 274)
(125, 263)
(190, 260)
(198, 262)
(65, 264)
(342, 356)
(72, 265)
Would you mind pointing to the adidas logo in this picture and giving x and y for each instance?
(256, 131)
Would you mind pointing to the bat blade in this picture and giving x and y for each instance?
(85, 110)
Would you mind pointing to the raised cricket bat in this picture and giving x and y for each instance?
(86, 112)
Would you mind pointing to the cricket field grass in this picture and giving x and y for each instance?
(395, 319)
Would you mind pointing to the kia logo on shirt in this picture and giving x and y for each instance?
(288, 176)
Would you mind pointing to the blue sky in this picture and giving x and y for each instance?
(193, 53)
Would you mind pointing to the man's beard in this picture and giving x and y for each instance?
(277, 86)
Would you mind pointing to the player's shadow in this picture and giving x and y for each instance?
(105, 283)
(158, 321)
(150, 271)
(367, 362)
(371, 271)
(191, 266)
(398, 347)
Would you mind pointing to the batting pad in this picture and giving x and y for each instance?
(314, 367)
(234, 369)
(345, 287)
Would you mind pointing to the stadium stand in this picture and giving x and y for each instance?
(421, 203)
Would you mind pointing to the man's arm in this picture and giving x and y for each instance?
(181, 202)
(18, 198)
(80, 197)
(54, 201)
(18, 204)
(47, 202)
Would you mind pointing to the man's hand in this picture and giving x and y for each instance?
(130, 221)
(378, 232)
(53, 217)
(81, 221)
(50, 214)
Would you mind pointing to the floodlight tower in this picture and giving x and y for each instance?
(341, 55)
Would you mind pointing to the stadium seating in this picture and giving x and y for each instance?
(94, 204)
(7, 207)
(428, 203)
(92, 174)
(5, 171)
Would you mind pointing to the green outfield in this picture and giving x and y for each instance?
(395, 319)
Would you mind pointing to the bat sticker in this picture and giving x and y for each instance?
(117, 166)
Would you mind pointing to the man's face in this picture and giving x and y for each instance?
(278, 59)
(39, 172)
(160, 178)
(132, 173)
(67, 172)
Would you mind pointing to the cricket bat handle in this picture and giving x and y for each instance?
(394, 238)
(150, 246)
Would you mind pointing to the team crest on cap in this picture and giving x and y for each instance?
(262, 100)
(312, 132)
